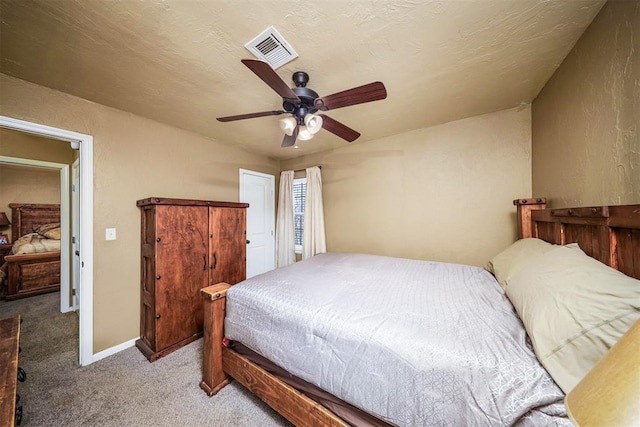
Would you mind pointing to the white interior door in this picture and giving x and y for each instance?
(258, 189)
(75, 234)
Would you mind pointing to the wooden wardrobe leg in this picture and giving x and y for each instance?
(215, 300)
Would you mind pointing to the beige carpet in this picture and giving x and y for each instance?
(121, 390)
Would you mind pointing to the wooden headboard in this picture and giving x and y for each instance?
(26, 216)
(610, 234)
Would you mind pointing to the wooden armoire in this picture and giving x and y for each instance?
(186, 245)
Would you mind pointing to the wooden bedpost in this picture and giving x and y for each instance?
(525, 206)
(215, 300)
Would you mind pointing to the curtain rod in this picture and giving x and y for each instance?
(303, 170)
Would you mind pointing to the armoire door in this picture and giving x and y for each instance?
(228, 245)
(181, 271)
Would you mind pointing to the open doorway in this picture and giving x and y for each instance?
(84, 143)
(25, 180)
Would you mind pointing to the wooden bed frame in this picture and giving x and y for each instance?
(32, 274)
(610, 234)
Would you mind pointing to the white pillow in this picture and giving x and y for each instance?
(508, 262)
(574, 309)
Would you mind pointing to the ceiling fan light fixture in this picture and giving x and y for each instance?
(288, 125)
(304, 134)
(313, 123)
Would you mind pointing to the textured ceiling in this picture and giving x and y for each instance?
(178, 61)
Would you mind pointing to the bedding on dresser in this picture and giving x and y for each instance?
(410, 342)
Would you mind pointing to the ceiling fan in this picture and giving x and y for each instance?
(303, 104)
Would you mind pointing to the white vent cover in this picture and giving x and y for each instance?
(272, 48)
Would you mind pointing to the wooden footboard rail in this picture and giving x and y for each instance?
(221, 364)
(610, 234)
(32, 274)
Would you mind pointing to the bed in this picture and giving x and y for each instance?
(474, 354)
(36, 272)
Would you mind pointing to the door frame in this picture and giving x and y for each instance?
(85, 143)
(74, 278)
(272, 179)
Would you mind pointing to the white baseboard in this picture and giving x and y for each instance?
(113, 350)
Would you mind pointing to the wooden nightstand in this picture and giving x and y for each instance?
(4, 251)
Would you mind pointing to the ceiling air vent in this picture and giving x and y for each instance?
(272, 48)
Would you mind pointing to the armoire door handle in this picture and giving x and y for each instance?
(204, 262)
(215, 261)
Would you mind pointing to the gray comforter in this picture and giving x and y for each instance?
(414, 343)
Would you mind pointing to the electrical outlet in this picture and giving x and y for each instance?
(110, 234)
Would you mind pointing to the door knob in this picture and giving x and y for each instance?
(248, 241)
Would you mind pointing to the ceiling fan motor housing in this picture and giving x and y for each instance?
(307, 98)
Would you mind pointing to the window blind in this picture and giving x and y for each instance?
(299, 195)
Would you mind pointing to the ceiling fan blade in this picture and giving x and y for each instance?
(250, 116)
(338, 129)
(269, 76)
(358, 95)
(289, 141)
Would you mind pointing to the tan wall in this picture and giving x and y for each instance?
(27, 146)
(442, 193)
(24, 184)
(134, 158)
(20, 184)
(586, 120)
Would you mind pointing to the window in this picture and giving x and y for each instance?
(299, 195)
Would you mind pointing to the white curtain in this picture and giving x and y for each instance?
(313, 239)
(285, 233)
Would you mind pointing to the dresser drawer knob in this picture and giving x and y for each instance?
(158, 239)
(157, 316)
(158, 277)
